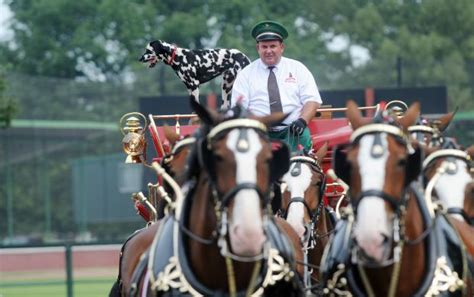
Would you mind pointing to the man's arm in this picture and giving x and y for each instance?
(308, 112)
(240, 91)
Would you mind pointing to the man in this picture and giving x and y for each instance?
(274, 83)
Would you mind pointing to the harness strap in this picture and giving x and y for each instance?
(298, 200)
(393, 201)
(243, 186)
(462, 212)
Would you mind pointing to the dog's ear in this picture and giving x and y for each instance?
(156, 45)
(203, 113)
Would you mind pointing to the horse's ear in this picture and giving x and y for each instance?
(207, 116)
(446, 119)
(321, 153)
(470, 151)
(171, 134)
(272, 119)
(410, 116)
(354, 115)
(414, 164)
(280, 162)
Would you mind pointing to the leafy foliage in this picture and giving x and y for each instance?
(433, 38)
(78, 60)
(8, 106)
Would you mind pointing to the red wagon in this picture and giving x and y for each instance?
(324, 128)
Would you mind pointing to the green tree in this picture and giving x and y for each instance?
(433, 38)
(8, 106)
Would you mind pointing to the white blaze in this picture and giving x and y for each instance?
(246, 229)
(372, 220)
(450, 187)
(297, 185)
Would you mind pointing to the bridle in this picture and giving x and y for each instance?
(314, 214)
(398, 204)
(447, 166)
(220, 199)
(377, 151)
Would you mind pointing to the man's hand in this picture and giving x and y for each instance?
(298, 126)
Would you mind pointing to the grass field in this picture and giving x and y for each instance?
(83, 287)
(41, 271)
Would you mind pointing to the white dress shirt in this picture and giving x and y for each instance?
(295, 83)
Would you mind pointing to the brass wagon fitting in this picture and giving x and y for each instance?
(133, 142)
(396, 108)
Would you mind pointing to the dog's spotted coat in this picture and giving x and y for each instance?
(195, 67)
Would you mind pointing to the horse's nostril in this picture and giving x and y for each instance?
(385, 240)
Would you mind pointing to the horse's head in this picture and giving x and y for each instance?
(237, 155)
(382, 163)
(302, 191)
(446, 170)
(175, 162)
(428, 132)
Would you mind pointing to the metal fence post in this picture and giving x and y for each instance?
(69, 279)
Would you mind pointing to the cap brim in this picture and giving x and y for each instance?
(268, 36)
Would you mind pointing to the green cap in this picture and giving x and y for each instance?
(269, 30)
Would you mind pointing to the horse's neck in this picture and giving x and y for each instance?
(413, 260)
(202, 218)
(322, 229)
(469, 207)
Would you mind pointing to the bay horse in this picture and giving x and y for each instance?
(137, 243)
(222, 238)
(388, 243)
(303, 188)
(428, 132)
(447, 177)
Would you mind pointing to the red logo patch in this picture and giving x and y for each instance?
(290, 78)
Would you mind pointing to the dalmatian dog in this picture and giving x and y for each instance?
(195, 67)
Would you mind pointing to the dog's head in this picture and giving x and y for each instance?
(151, 55)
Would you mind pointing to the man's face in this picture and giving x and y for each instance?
(270, 52)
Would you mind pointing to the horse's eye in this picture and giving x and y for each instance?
(218, 158)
